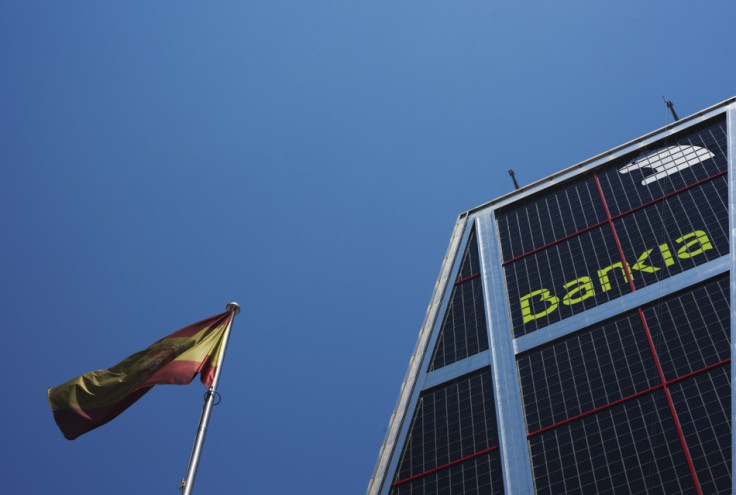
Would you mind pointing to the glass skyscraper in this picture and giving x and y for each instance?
(578, 340)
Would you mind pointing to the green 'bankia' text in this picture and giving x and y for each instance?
(578, 290)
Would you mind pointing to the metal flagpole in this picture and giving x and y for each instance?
(188, 482)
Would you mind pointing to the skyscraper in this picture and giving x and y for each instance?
(578, 340)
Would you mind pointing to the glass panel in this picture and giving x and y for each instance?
(703, 405)
(452, 421)
(470, 265)
(629, 448)
(477, 476)
(676, 234)
(464, 331)
(564, 279)
(590, 369)
(692, 330)
(558, 213)
(669, 208)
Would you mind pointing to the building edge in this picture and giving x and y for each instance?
(409, 383)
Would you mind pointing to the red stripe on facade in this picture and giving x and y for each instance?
(615, 235)
(628, 398)
(595, 410)
(698, 372)
(567, 420)
(444, 466)
(653, 350)
(471, 277)
(669, 195)
(591, 227)
(561, 239)
(663, 383)
(671, 405)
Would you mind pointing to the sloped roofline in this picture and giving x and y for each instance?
(523, 191)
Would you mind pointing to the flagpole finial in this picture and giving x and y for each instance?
(233, 306)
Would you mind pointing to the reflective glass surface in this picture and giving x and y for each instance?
(553, 215)
(463, 331)
(585, 371)
(453, 429)
(601, 397)
(630, 448)
(703, 405)
(639, 219)
(477, 476)
(676, 234)
(691, 331)
(690, 158)
(564, 279)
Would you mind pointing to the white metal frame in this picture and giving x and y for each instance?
(503, 347)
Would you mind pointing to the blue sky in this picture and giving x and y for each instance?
(307, 159)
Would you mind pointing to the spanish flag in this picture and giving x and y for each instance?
(93, 399)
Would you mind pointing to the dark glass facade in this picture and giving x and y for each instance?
(562, 257)
(580, 339)
(452, 446)
(463, 331)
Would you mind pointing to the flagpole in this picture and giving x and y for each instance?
(187, 484)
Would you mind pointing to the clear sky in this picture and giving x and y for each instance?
(307, 159)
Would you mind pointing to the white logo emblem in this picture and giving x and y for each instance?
(668, 161)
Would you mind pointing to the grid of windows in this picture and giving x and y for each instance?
(703, 405)
(692, 330)
(463, 330)
(671, 236)
(454, 423)
(634, 224)
(611, 361)
(625, 192)
(564, 279)
(477, 476)
(639, 403)
(630, 448)
(586, 371)
(571, 385)
(552, 216)
(470, 266)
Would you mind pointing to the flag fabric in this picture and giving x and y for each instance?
(93, 399)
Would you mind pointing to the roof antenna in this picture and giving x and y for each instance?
(516, 184)
(672, 108)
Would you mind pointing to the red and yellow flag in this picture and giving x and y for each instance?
(93, 399)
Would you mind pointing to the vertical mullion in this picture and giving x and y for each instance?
(514, 448)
